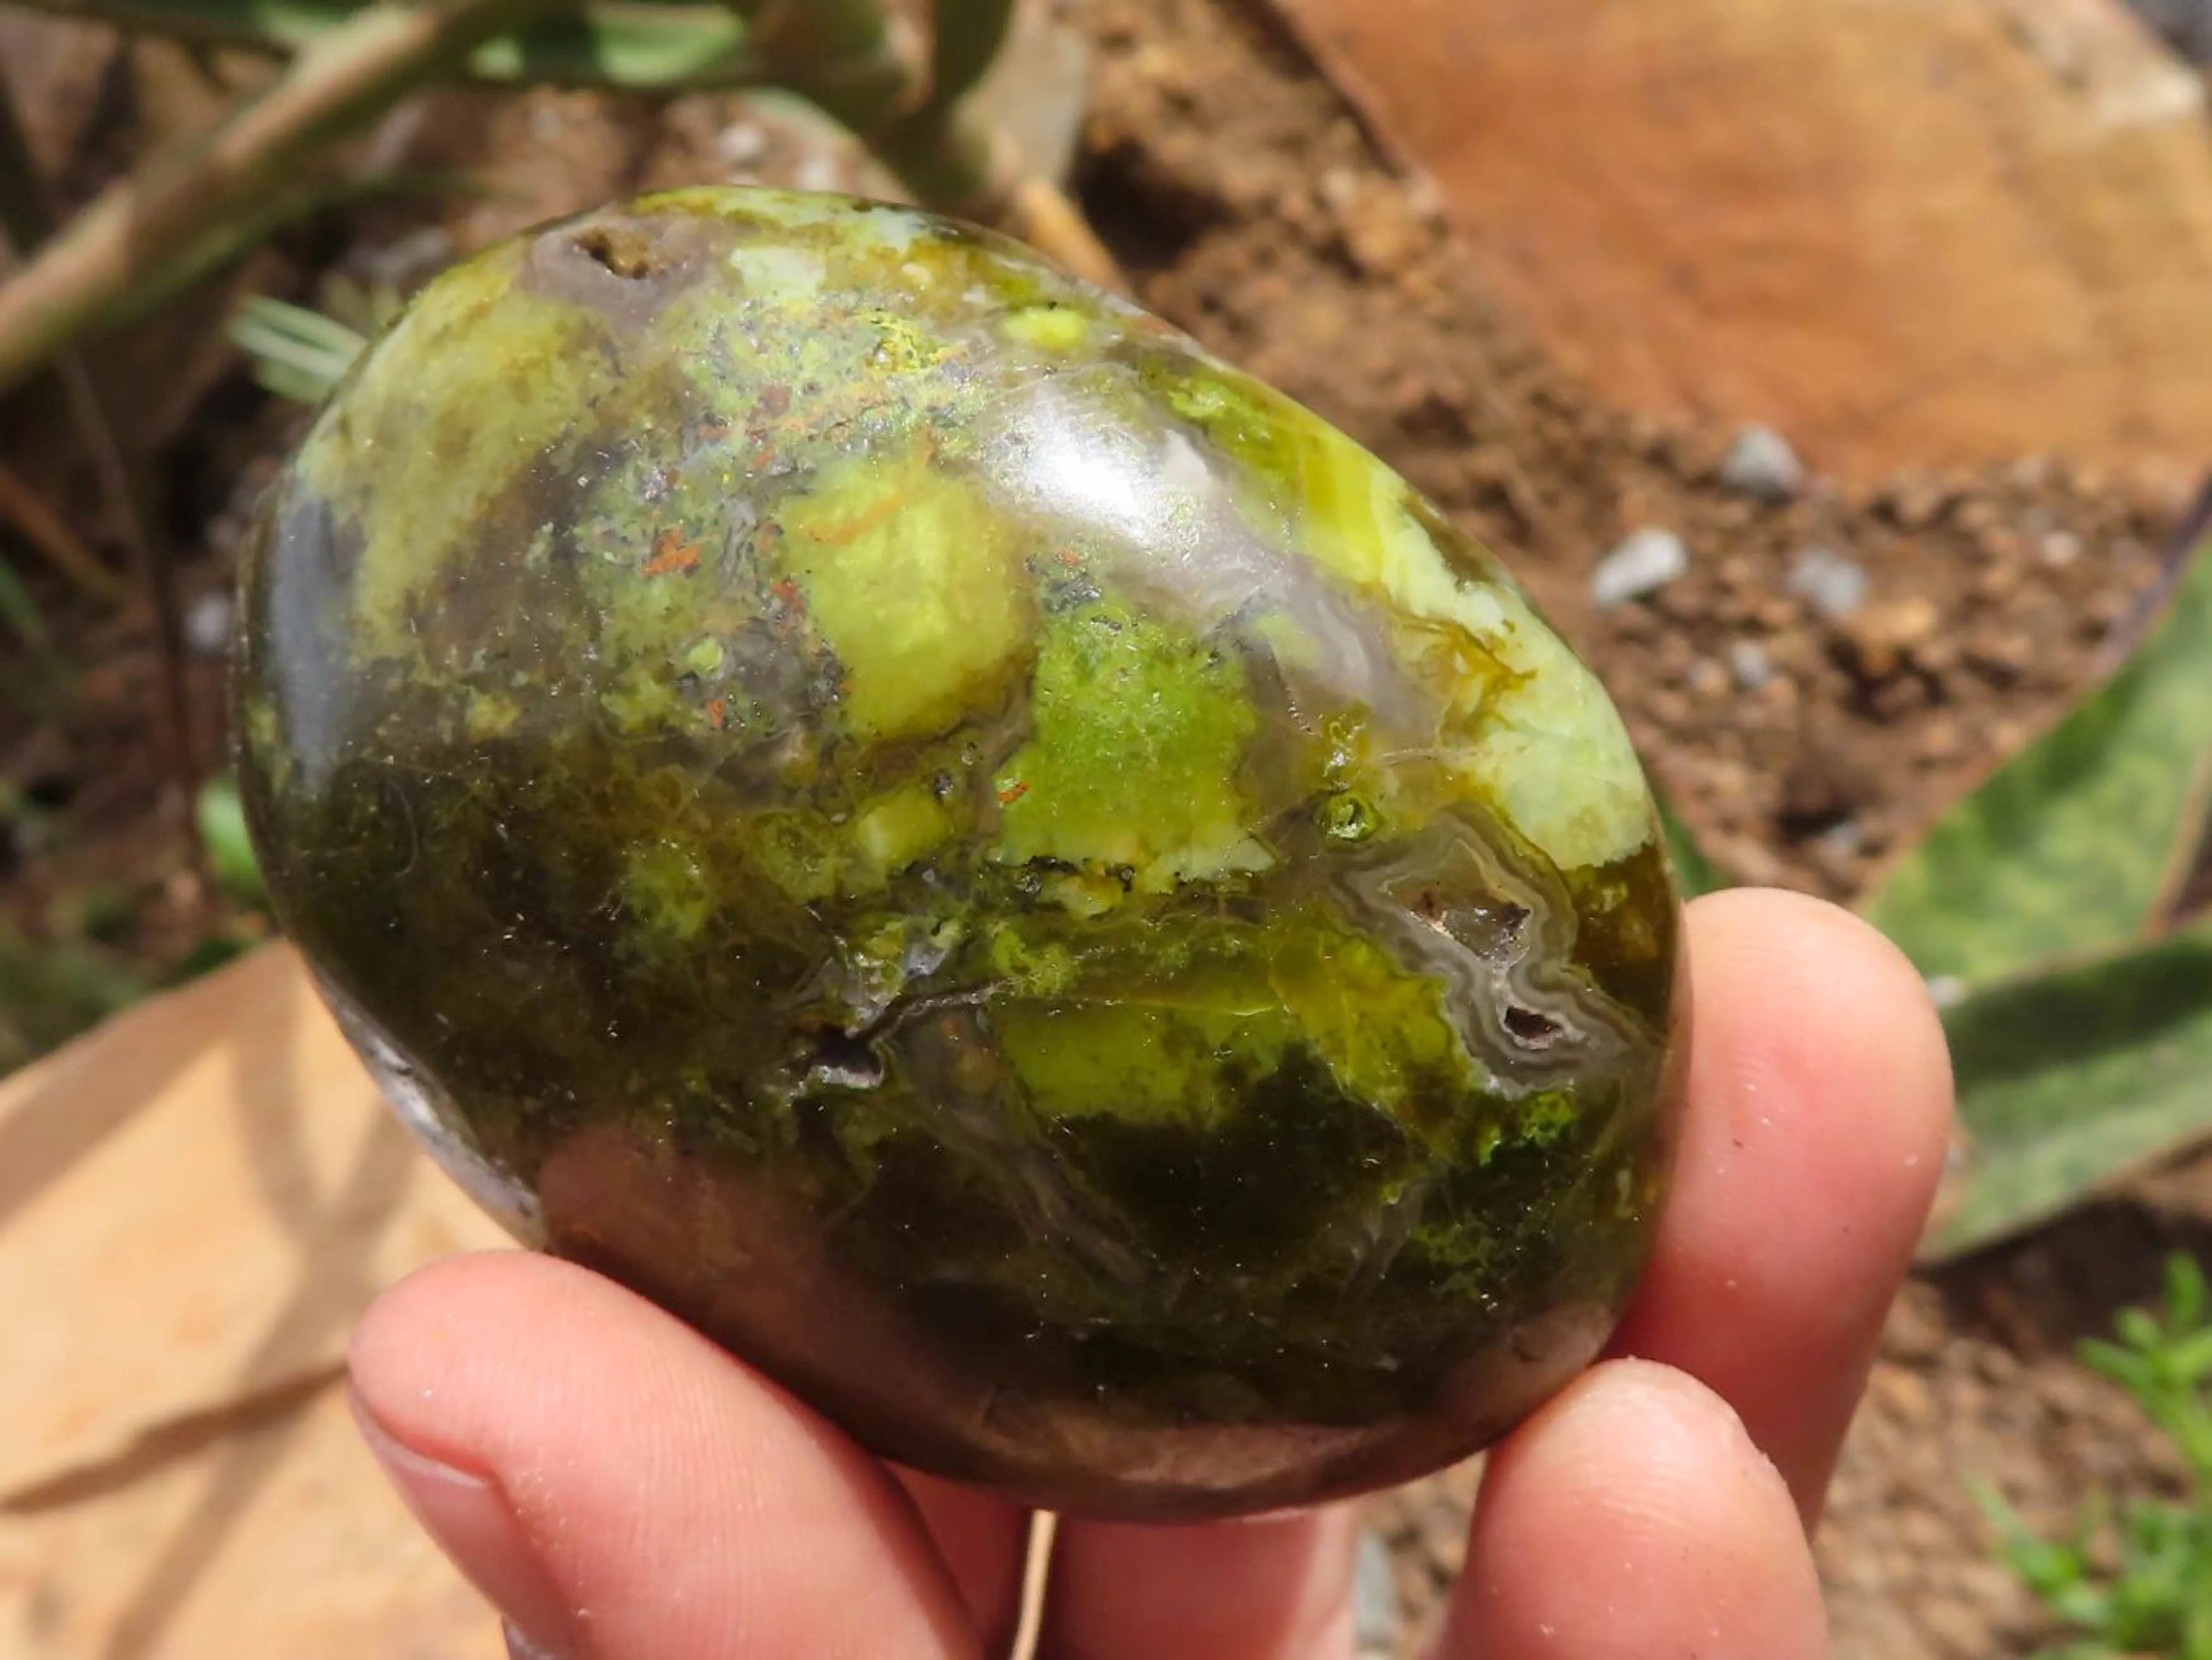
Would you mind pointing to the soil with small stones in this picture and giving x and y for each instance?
(1246, 201)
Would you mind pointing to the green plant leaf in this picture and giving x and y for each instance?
(2133, 1577)
(297, 353)
(2075, 843)
(49, 991)
(20, 611)
(1695, 873)
(2070, 1079)
(221, 818)
(208, 955)
(642, 47)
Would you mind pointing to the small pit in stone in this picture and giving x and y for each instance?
(624, 250)
(1531, 1028)
(847, 1059)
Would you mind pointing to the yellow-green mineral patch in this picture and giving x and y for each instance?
(419, 420)
(916, 585)
(1540, 738)
(1139, 732)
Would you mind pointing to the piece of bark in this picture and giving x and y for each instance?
(196, 1201)
(1903, 235)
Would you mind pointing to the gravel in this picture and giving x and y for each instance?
(742, 143)
(1647, 562)
(1374, 1612)
(1749, 663)
(1834, 586)
(1760, 464)
(207, 625)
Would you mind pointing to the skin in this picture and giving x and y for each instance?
(622, 1490)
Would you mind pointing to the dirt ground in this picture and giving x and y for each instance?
(1246, 201)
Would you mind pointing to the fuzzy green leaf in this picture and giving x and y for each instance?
(51, 990)
(222, 819)
(1695, 873)
(644, 47)
(2074, 844)
(2072, 1079)
(2135, 1577)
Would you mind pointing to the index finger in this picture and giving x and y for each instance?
(1820, 1097)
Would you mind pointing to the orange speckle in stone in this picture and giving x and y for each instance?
(880, 512)
(672, 554)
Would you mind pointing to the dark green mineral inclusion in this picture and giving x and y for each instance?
(1010, 873)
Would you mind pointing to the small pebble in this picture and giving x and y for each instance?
(742, 143)
(1707, 680)
(1748, 661)
(816, 171)
(1374, 1599)
(207, 625)
(1647, 562)
(1832, 584)
(1761, 464)
(1844, 838)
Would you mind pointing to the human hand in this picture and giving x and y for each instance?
(623, 1490)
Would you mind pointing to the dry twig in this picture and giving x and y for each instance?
(135, 228)
(48, 535)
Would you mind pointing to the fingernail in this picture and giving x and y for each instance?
(473, 1523)
(519, 1647)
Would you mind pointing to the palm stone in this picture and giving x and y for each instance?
(1005, 871)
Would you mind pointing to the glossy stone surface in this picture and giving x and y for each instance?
(1010, 874)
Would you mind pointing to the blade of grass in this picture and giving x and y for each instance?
(2077, 842)
(639, 47)
(20, 614)
(346, 78)
(45, 534)
(297, 353)
(2071, 1079)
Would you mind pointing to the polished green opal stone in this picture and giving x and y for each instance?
(1004, 870)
